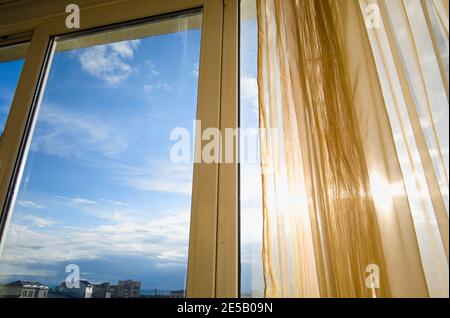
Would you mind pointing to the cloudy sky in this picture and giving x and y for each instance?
(99, 189)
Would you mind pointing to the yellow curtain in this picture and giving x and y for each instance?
(340, 216)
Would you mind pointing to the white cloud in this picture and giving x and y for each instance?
(155, 84)
(158, 177)
(38, 221)
(251, 190)
(77, 201)
(249, 95)
(152, 68)
(29, 204)
(106, 62)
(87, 133)
(195, 69)
(125, 49)
(83, 201)
(170, 186)
(148, 88)
(157, 237)
(118, 203)
(26, 245)
(89, 137)
(164, 86)
(251, 225)
(9, 270)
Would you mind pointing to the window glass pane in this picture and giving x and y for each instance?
(252, 280)
(99, 193)
(11, 63)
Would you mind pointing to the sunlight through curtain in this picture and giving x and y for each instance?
(353, 147)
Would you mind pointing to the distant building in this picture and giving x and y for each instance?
(126, 289)
(23, 289)
(101, 290)
(178, 294)
(83, 291)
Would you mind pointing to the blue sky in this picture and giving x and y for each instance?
(9, 76)
(99, 189)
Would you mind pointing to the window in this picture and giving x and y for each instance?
(252, 280)
(57, 65)
(11, 63)
(99, 191)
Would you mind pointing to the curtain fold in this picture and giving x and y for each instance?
(417, 105)
(433, 30)
(340, 219)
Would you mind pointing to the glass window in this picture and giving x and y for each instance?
(101, 208)
(11, 63)
(252, 280)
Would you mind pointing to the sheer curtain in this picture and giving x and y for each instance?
(353, 101)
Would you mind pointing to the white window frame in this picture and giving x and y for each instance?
(213, 243)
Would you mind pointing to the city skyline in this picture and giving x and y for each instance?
(83, 289)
